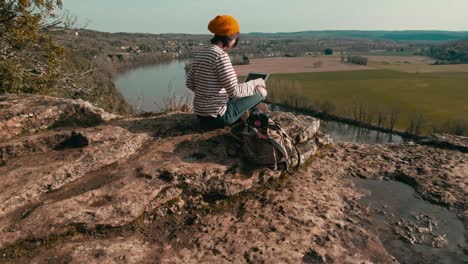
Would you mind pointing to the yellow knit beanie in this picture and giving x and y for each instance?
(224, 25)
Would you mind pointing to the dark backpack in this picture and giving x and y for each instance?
(264, 142)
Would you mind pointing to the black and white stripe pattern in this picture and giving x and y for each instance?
(213, 80)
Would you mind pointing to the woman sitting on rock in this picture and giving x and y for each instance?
(219, 99)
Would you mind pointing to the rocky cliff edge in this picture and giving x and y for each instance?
(82, 185)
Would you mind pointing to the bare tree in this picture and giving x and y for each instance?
(328, 107)
(394, 114)
(362, 113)
(416, 124)
(369, 116)
(355, 110)
(381, 119)
(342, 54)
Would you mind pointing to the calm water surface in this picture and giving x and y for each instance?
(145, 87)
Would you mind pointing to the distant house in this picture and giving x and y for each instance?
(135, 50)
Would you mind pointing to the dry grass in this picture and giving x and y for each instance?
(176, 103)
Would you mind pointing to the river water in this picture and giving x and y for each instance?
(146, 87)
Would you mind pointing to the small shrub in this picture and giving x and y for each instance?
(358, 60)
(30, 55)
(176, 103)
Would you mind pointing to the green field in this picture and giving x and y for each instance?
(438, 96)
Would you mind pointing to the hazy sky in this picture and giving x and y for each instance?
(192, 16)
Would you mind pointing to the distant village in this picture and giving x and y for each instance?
(136, 48)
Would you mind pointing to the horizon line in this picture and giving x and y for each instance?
(287, 32)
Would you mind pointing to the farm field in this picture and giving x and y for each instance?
(437, 93)
(297, 64)
(411, 64)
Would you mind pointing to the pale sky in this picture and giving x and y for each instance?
(192, 16)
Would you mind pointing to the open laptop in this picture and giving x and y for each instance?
(256, 75)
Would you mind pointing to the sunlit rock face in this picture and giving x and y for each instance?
(22, 114)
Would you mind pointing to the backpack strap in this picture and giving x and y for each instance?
(296, 168)
(298, 164)
(280, 149)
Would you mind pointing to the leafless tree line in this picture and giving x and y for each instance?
(452, 126)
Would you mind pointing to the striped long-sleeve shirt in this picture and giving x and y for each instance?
(214, 81)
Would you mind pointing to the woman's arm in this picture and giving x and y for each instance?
(189, 81)
(228, 78)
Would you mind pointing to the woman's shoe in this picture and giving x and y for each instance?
(245, 116)
(262, 107)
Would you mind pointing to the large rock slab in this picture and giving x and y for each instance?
(303, 219)
(161, 190)
(63, 180)
(31, 182)
(22, 114)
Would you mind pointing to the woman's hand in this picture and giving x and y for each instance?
(260, 86)
(262, 91)
(259, 83)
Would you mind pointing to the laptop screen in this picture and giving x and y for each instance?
(256, 75)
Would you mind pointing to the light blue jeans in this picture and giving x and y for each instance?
(235, 109)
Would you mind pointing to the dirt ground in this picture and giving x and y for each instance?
(297, 64)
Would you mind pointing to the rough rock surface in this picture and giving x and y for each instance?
(439, 175)
(161, 190)
(447, 141)
(24, 114)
